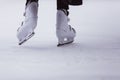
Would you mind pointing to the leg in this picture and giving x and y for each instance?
(62, 4)
(64, 31)
(26, 30)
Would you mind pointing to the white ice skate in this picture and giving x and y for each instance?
(26, 31)
(64, 32)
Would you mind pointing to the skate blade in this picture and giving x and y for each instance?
(59, 45)
(31, 35)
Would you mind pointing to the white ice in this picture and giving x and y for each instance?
(95, 54)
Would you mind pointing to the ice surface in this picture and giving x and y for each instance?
(95, 54)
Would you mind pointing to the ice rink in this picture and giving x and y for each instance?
(95, 54)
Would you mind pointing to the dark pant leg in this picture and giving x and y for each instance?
(31, 1)
(62, 4)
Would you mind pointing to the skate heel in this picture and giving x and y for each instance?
(64, 41)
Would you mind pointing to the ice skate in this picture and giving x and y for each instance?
(64, 32)
(26, 30)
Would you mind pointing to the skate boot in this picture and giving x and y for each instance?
(65, 33)
(26, 31)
